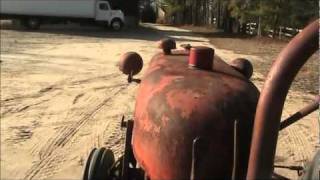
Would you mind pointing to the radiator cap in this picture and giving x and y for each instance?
(201, 57)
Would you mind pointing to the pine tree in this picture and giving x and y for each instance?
(274, 13)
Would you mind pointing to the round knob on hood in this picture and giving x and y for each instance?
(167, 45)
(244, 66)
(130, 63)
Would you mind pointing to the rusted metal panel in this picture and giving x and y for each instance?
(272, 98)
(176, 104)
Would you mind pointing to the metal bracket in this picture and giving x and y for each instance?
(130, 77)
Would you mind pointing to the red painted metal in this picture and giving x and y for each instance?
(201, 57)
(176, 104)
(130, 62)
(271, 101)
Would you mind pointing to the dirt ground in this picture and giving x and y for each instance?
(62, 94)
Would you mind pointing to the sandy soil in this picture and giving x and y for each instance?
(62, 95)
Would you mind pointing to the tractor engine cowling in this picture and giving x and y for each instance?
(188, 107)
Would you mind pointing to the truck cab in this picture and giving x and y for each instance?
(104, 13)
(32, 14)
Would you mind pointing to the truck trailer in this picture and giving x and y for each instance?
(33, 13)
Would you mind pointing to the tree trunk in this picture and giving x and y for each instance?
(276, 21)
(199, 12)
(227, 21)
(194, 12)
(184, 12)
(259, 27)
(275, 25)
(219, 15)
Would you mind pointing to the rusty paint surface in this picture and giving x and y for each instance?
(176, 104)
(269, 109)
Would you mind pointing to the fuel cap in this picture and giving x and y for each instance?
(201, 57)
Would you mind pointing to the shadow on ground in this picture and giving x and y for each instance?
(91, 31)
(214, 34)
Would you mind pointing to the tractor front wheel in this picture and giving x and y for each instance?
(99, 164)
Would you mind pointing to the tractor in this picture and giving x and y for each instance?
(197, 117)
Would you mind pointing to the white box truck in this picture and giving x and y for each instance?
(33, 13)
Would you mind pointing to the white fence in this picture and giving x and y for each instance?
(284, 32)
(281, 32)
(251, 28)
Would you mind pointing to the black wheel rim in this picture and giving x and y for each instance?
(116, 25)
(106, 162)
(94, 164)
(99, 164)
(86, 169)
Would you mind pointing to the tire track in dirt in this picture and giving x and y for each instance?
(52, 152)
(9, 105)
(108, 133)
(76, 99)
(58, 86)
(39, 94)
(22, 107)
(297, 143)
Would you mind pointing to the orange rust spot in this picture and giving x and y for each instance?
(147, 125)
(146, 92)
(184, 100)
(164, 120)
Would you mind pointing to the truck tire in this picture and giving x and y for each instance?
(33, 23)
(116, 24)
(16, 23)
